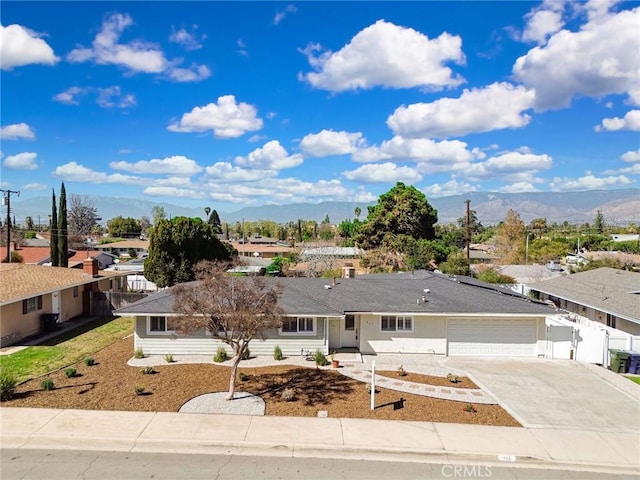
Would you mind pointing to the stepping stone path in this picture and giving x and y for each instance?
(468, 395)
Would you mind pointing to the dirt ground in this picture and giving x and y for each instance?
(463, 382)
(110, 385)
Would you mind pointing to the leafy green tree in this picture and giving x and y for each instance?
(358, 211)
(510, 239)
(120, 226)
(63, 239)
(176, 246)
(491, 275)
(401, 211)
(157, 214)
(456, 264)
(53, 240)
(28, 223)
(599, 223)
(214, 221)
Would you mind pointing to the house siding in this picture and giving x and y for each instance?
(429, 336)
(203, 344)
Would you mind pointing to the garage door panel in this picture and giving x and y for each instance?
(492, 337)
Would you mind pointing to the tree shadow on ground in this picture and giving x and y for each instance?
(312, 386)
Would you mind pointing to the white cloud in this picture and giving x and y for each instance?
(329, 142)
(20, 46)
(282, 14)
(112, 97)
(631, 121)
(518, 187)
(382, 173)
(543, 22)
(452, 187)
(70, 96)
(226, 172)
(387, 55)
(272, 156)
(429, 154)
(495, 107)
(74, 172)
(226, 118)
(17, 131)
(632, 170)
(175, 165)
(588, 182)
(511, 165)
(173, 192)
(599, 59)
(631, 156)
(184, 38)
(136, 56)
(33, 187)
(21, 161)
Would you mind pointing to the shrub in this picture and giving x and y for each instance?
(469, 408)
(147, 370)
(220, 356)
(320, 358)
(139, 389)
(139, 353)
(288, 395)
(168, 358)
(369, 388)
(453, 378)
(70, 372)
(89, 361)
(47, 384)
(246, 354)
(402, 372)
(277, 353)
(7, 386)
(243, 377)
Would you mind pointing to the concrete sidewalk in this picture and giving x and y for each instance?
(345, 438)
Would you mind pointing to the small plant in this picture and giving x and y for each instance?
(47, 384)
(402, 372)
(139, 389)
(453, 378)
(89, 361)
(470, 408)
(277, 353)
(320, 358)
(243, 377)
(70, 372)
(169, 358)
(7, 386)
(288, 395)
(220, 356)
(369, 388)
(138, 353)
(246, 354)
(147, 370)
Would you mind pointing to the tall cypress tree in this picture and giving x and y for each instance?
(63, 250)
(53, 241)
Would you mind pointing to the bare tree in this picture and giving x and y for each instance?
(234, 310)
(83, 218)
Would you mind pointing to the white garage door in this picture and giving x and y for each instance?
(492, 337)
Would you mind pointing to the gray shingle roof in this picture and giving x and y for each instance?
(605, 289)
(379, 294)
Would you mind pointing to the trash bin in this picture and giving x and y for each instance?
(634, 362)
(619, 360)
(48, 321)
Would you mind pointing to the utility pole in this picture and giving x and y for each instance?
(468, 232)
(7, 195)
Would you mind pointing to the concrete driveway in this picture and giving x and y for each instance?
(555, 393)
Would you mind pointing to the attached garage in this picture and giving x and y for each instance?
(492, 337)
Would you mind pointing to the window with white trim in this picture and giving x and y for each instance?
(298, 326)
(396, 323)
(161, 325)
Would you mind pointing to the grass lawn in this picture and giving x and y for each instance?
(66, 349)
(634, 379)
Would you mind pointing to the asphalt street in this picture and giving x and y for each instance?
(28, 464)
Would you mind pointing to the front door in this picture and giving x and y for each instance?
(334, 333)
(55, 302)
(349, 332)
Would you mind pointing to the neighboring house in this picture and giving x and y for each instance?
(605, 295)
(419, 312)
(125, 247)
(333, 251)
(268, 250)
(626, 237)
(41, 256)
(29, 291)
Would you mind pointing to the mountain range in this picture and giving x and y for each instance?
(619, 207)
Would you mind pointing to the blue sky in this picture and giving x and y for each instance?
(241, 103)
